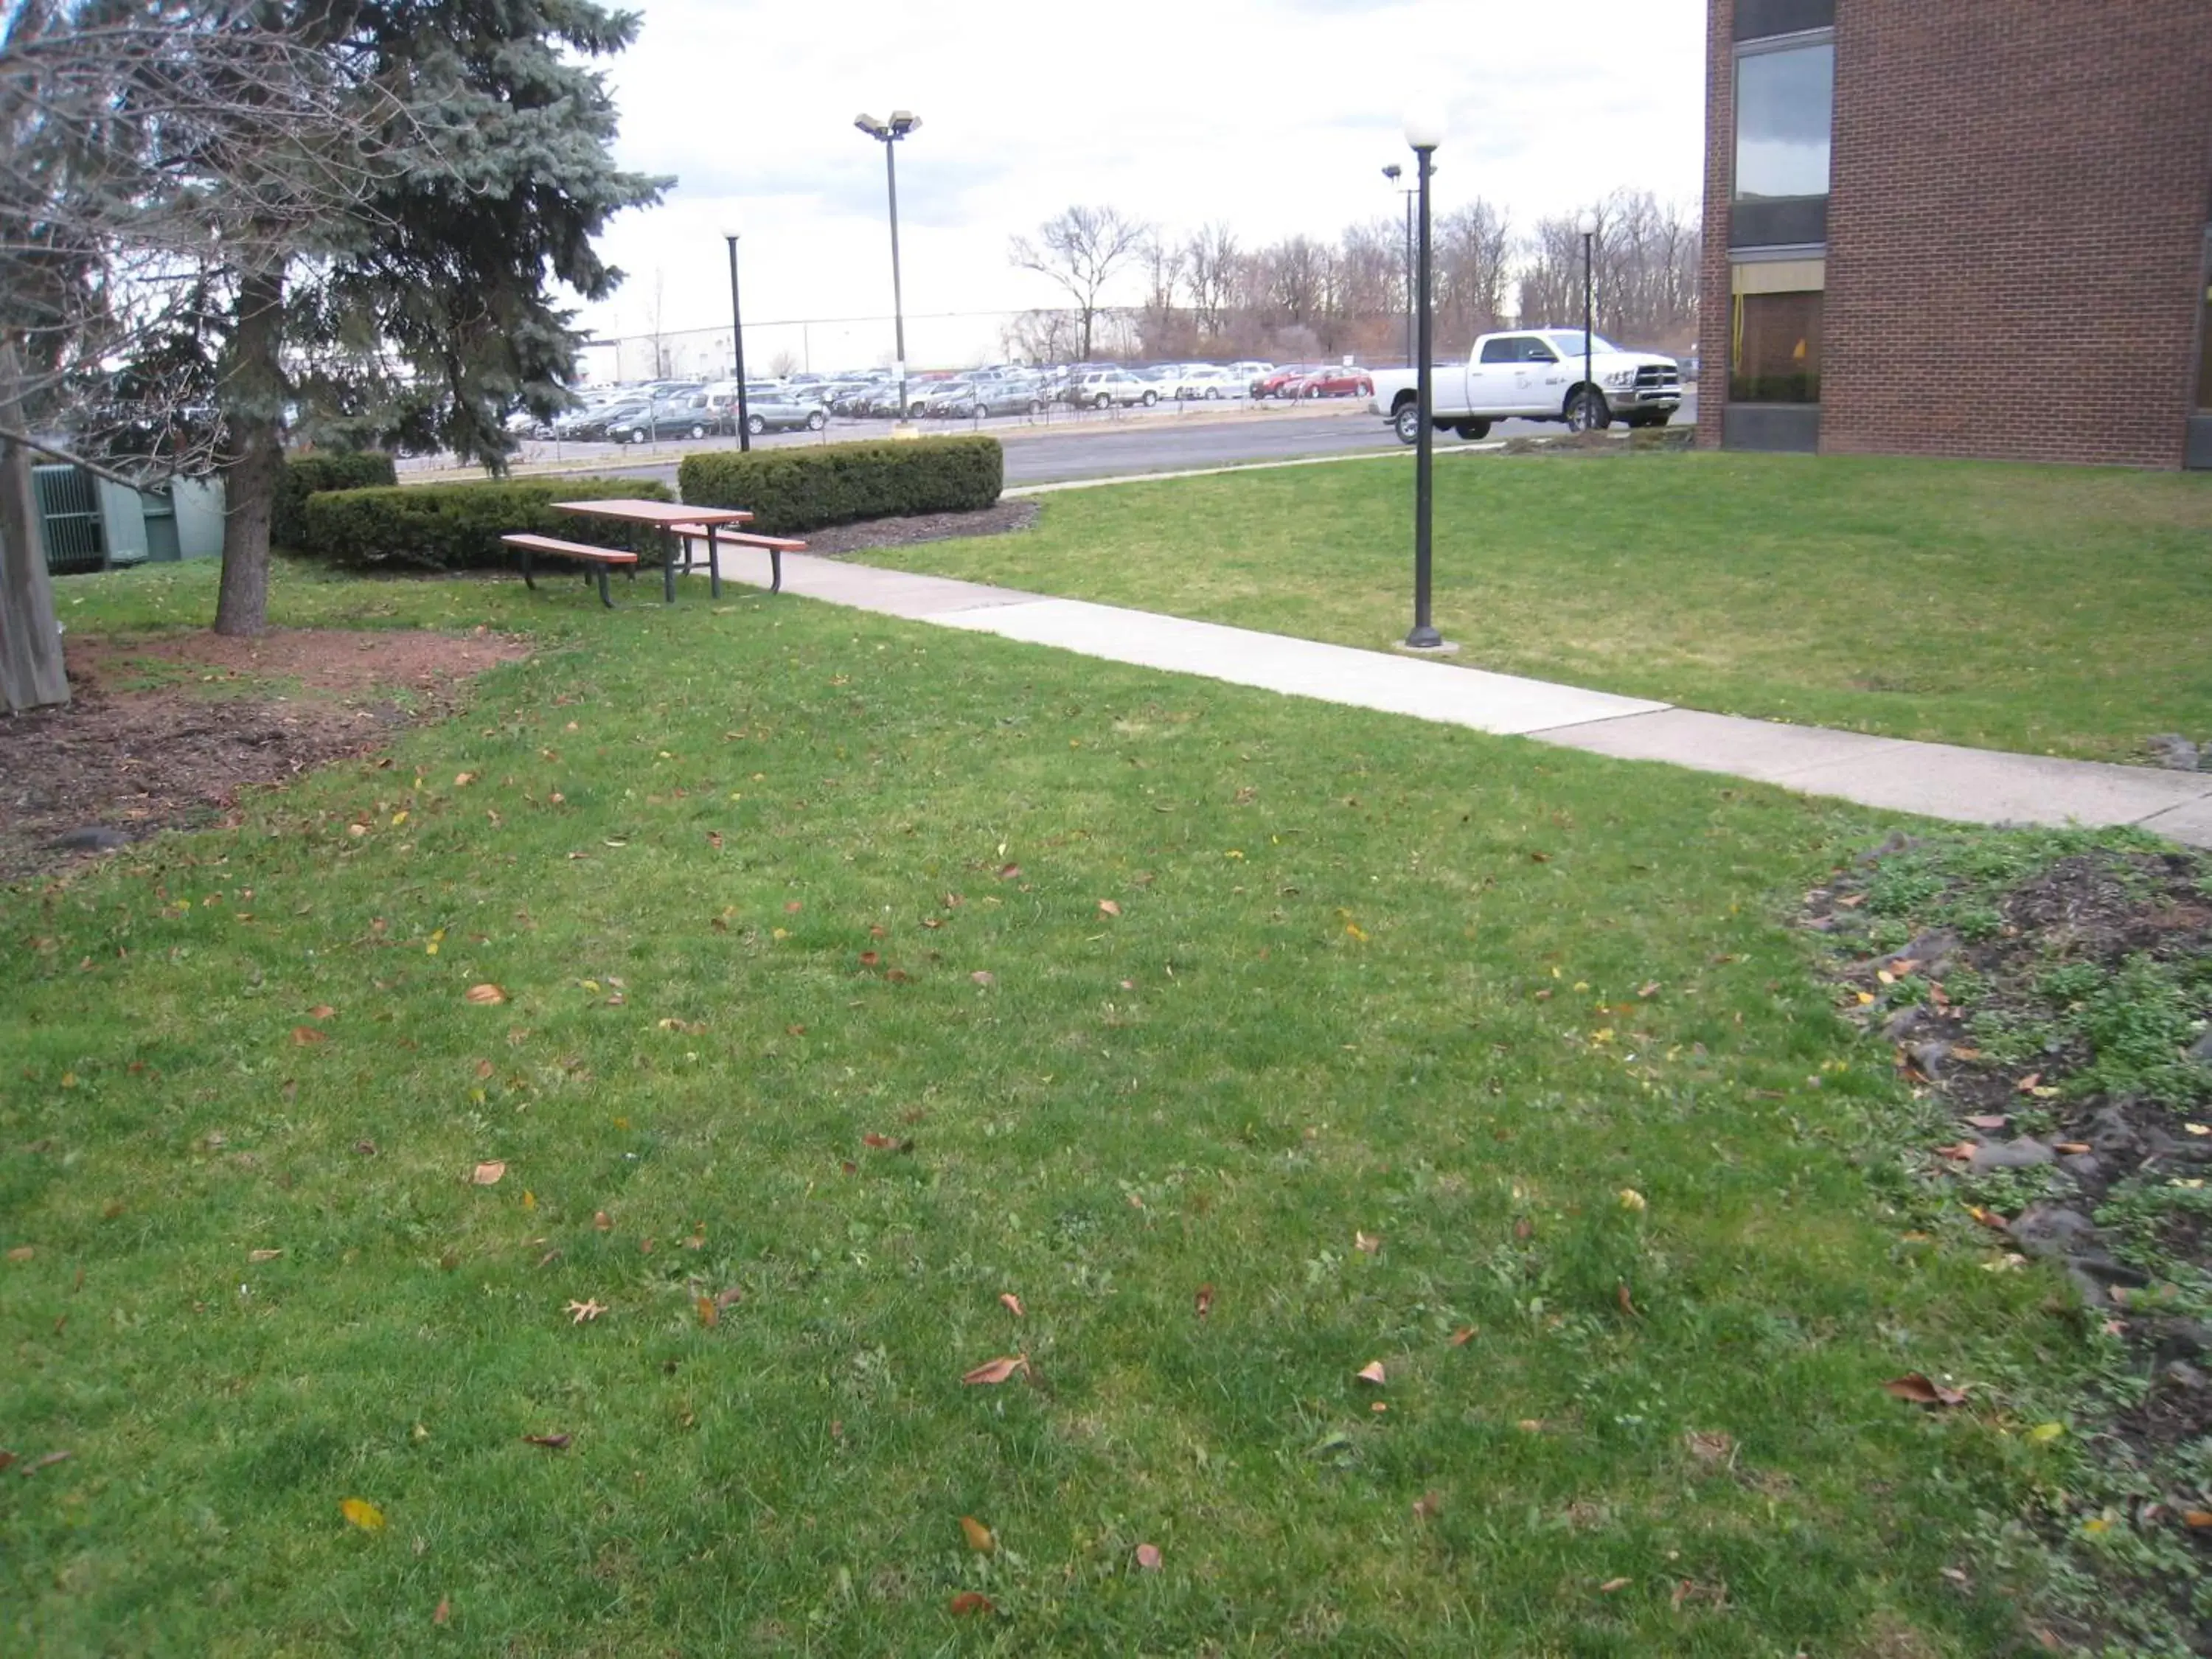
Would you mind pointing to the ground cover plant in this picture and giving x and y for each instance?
(784, 1131)
(2047, 610)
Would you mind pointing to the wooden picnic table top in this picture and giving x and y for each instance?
(666, 514)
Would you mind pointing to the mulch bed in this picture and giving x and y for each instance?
(998, 521)
(165, 732)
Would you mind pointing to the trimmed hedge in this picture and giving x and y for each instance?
(457, 527)
(791, 491)
(309, 475)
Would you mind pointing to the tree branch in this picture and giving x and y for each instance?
(157, 487)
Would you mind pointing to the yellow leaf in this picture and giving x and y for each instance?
(2043, 1433)
(529, 1198)
(1630, 1199)
(978, 1535)
(2100, 1524)
(360, 1512)
(1354, 930)
(1866, 997)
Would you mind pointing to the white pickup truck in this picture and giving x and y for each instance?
(1536, 374)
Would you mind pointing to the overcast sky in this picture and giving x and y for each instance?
(1275, 116)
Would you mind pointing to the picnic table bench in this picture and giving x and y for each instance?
(685, 526)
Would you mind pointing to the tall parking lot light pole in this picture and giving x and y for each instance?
(1394, 172)
(738, 341)
(888, 133)
(1425, 131)
(1587, 226)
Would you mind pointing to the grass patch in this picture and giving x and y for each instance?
(736, 870)
(2046, 610)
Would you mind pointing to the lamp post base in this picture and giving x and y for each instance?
(1425, 640)
(905, 429)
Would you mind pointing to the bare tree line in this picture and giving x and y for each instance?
(1206, 293)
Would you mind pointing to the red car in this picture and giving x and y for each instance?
(1332, 383)
(1271, 383)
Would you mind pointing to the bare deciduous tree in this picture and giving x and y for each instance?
(1081, 250)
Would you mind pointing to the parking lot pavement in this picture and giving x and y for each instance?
(1091, 446)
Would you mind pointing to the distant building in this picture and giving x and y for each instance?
(1978, 228)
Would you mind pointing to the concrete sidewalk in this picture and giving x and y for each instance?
(1970, 786)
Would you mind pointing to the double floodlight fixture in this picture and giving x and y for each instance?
(902, 122)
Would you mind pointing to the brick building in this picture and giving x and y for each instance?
(1960, 227)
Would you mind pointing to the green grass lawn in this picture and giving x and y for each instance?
(2051, 610)
(857, 975)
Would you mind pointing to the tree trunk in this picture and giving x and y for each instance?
(31, 671)
(252, 409)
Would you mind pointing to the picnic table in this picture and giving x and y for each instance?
(684, 526)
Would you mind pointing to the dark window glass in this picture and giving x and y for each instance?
(1776, 354)
(1784, 101)
(1501, 351)
(1536, 351)
(2204, 357)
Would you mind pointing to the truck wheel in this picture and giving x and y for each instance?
(1587, 412)
(1407, 421)
(1473, 429)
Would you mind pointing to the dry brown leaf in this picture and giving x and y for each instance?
(971, 1602)
(2196, 1518)
(1366, 1242)
(1106, 907)
(708, 1313)
(306, 1036)
(984, 976)
(1012, 1304)
(1462, 1336)
(1921, 1391)
(445, 1611)
(993, 1371)
(321, 1010)
(1988, 1218)
(1958, 1151)
(1627, 1302)
(262, 1255)
(1372, 1372)
(550, 1442)
(2026, 1085)
(730, 1297)
(484, 1069)
(581, 1313)
(1205, 1300)
(1428, 1506)
(1613, 1584)
(46, 1461)
(487, 1174)
(1989, 1121)
(1709, 1445)
(1148, 1557)
(977, 1535)
(602, 1221)
(869, 958)
(2069, 1147)
(1008, 871)
(22, 1253)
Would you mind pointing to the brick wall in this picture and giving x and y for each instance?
(2017, 205)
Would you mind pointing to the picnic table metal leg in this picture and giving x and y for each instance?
(714, 565)
(605, 598)
(526, 579)
(668, 567)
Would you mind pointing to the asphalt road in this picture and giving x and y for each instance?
(1149, 441)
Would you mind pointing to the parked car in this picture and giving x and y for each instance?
(1536, 374)
(680, 417)
(1105, 387)
(1209, 382)
(1271, 383)
(782, 415)
(1332, 383)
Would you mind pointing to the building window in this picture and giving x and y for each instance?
(1774, 354)
(1784, 107)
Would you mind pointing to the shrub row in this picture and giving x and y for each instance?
(457, 527)
(791, 491)
(308, 475)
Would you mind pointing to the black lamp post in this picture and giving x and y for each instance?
(1392, 173)
(1425, 131)
(888, 133)
(738, 342)
(1587, 225)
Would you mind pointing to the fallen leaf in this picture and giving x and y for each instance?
(1148, 1557)
(1462, 1336)
(46, 1462)
(1988, 1218)
(1989, 1119)
(360, 1512)
(971, 1602)
(1613, 1584)
(2043, 1433)
(485, 1068)
(1958, 1150)
(1372, 1372)
(488, 1175)
(321, 1010)
(977, 1535)
(1008, 871)
(602, 1221)
(550, 1442)
(1632, 1199)
(1428, 1506)
(445, 1611)
(2026, 1085)
(869, 958)
(708, 1313)
(1921, 1391)
(307, 1035)
(2196, 1518)
(2069, 1147)
(1205, 1300)
(1106, 907)
(1012, 1304)
(1709, 1446)
(262, 1255)
(993, 1371)
(22, 1253)
(730, 1297)
(484, 995)
(984, 976)
(582, 1312)
(1627, 1302)
(1532, 1425)
(1367, 1243)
